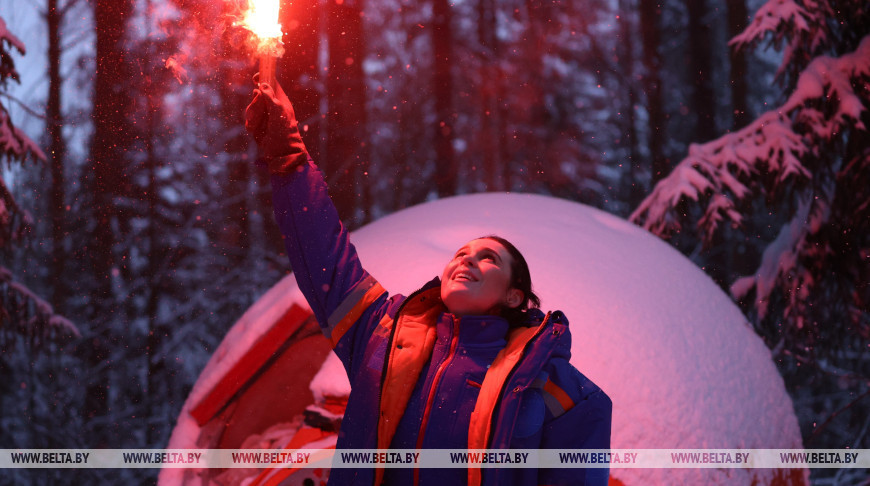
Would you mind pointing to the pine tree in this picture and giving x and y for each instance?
(36, 403)
(798, 179)
(808, 158)
(21, 310)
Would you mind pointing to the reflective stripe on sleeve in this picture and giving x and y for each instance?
(351, 308)
(557, 399)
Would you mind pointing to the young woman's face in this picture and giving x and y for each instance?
(478, 279)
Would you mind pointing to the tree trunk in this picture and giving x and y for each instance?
(447, 170)
(105, 178)
(298, 70)
(737, 21)
(486, 38)
(347, 154)
(650, 14)
(700, 56)
(235, 230)
(153, 398)
(629, 129)
(534, 121)
(56, 156)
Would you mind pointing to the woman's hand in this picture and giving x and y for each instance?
(271, 121)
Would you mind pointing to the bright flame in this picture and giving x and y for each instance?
(262, 19)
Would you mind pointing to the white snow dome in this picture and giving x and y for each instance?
(676, 356)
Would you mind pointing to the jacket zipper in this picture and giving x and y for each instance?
(386, 364)
(387, 354)
(501, 392)
(431, 398)
(516, 365)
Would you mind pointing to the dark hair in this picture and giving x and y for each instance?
(521, 280)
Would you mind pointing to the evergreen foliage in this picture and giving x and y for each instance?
(795, 183)
(21, 310)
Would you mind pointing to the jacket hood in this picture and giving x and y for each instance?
(561, 346)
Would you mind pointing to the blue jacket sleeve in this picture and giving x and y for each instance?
(582, 420)
(347, 302)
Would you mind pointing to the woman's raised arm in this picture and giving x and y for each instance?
(345, 299)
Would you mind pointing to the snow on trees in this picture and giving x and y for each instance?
(35, 403)
(14, 144)
(21, 310)
(683, 368)
(806, 164)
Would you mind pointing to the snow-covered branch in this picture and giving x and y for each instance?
(724, 172)
(808, 161)
(7, 65)
(20, 305)
(781, 261)
(14, 143)
(9, 39)
(21, 310)
(800, 25)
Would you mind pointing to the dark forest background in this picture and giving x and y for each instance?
(137, 229)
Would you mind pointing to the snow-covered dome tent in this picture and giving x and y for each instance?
(676, 356)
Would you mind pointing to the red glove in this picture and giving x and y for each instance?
(272, 122)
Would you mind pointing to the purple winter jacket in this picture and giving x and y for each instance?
(403, 354)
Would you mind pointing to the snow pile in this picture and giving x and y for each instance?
(331, 380)
(673, 352)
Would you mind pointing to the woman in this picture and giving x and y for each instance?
(466, 362)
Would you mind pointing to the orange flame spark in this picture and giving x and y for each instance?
(262, 19)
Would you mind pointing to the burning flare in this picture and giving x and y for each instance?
(262, 19)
